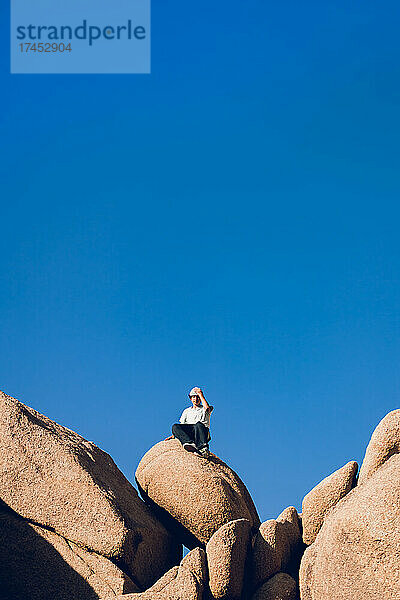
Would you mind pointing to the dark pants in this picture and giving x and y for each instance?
(187, 434)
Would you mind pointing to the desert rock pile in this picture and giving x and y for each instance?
(356, 553)
(72, 527)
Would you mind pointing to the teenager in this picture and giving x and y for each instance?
(193, 429)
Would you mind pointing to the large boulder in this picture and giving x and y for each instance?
(194, 496)
(226, 552)
(277, 546)
(323, 497)
(280, 587)
(56, 478)
(357, 551)
(271, 552)
(38, 564)
(385, 442)
(290, 520)
(186, 582)
(291, 525)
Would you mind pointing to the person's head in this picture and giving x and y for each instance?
(194, 397)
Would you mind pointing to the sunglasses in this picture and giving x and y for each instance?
(193, 396)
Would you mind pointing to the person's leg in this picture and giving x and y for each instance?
(183, 432)
(201, 435)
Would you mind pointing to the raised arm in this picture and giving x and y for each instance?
(204, 402)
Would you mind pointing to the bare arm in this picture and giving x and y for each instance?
(204, 402)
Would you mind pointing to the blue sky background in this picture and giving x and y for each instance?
(230, 221)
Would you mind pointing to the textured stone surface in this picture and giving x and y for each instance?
(37, 564)
(385, 442)
(291, 524)
(53, 476)
(200, 495)
(292, 527)
(271, 551)
(277, 546)
(357, 552)
(186, 582)
(280, 587)
(226, 557)
(323, 497)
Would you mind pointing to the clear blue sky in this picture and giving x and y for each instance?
(229, 221)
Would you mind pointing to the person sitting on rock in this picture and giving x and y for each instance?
(193, 429)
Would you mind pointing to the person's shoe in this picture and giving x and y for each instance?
(204, 452)
(190, 447)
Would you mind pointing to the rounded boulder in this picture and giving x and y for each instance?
(193, 496)
(227, 551)
(357, 552)
(323, 497)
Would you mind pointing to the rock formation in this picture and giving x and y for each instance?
(185, 582)
(73, 528)
(324, 497)
(280, 587)
(276, 547)
(195, 497)
(226, 552)
(385, 442)
(356, 553)
(38, 564)
(53, 477)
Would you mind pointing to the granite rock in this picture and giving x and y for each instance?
(54, 477)
(325, 496)
(357, 552)
(226, 552)
(194, 496)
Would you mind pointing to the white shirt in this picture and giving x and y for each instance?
(194, 414)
